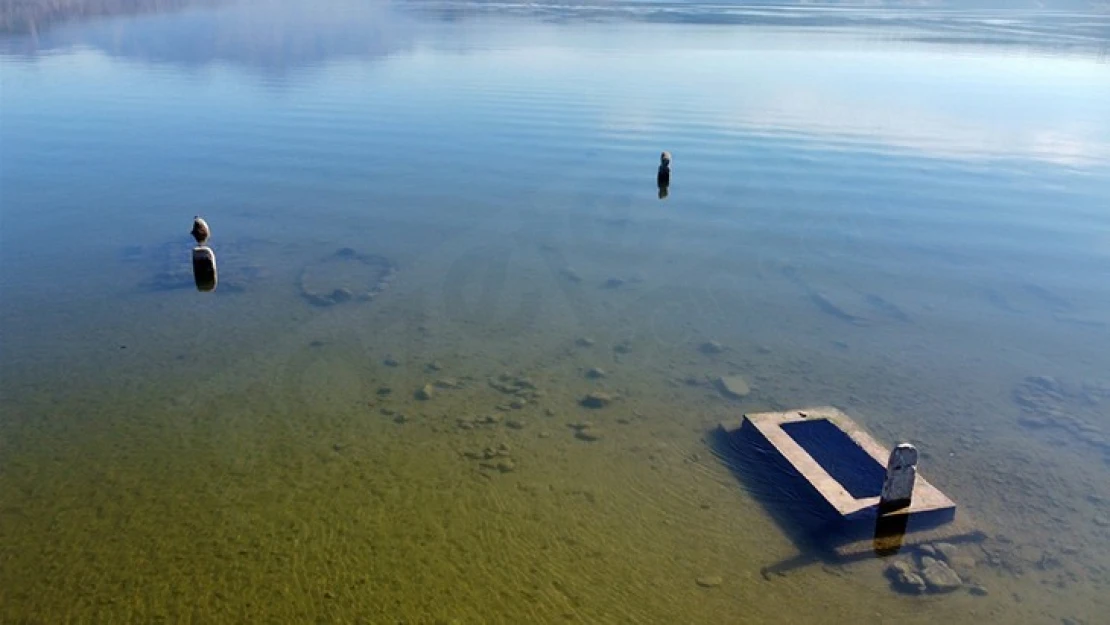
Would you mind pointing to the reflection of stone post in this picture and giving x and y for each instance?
(204, 268)
(901, 472)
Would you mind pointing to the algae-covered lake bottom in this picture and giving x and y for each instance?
(907, 227)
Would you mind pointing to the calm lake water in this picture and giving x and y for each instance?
(905, 215)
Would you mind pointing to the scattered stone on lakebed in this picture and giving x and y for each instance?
(711, 347)
(946, 551)
(571, 274)
(938, 576)
(587, 434)
(501, 465)
(904, 578)
(494, 458)
(425, 392)
(709, 581)
(584, 431)
(595, 373)
(614, 283)
(733, 386)
(932, 575)
(597, 399)
(521, 388)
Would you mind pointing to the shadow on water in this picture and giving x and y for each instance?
(817, 531)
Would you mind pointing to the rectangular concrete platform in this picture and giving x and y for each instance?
(844, 468)
(838, 450)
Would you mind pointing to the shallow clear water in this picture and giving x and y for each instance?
(903, 215)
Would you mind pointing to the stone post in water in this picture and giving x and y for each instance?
(901, 473)
(204, 259)
(663, 177)
(200, 230)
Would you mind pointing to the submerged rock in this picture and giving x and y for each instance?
(595, 373)
(711, 347)
(570, 274)
(425, 392)
(948, 552)
(709, 581)
(938, 576)
(613, 283)
(501, 465)
(904, 579)
(597, 399)
(587, 434)
(521, 387)
(734, 386)
(978, 590)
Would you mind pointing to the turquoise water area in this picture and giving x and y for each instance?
(899, 214)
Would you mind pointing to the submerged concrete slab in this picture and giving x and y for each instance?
(842, 463)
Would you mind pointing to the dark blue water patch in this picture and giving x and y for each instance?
(839, 455)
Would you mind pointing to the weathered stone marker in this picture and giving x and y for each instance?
(663, 178)
(901, 474)
(204, 259)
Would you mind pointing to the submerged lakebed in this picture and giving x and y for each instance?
(464, 364)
